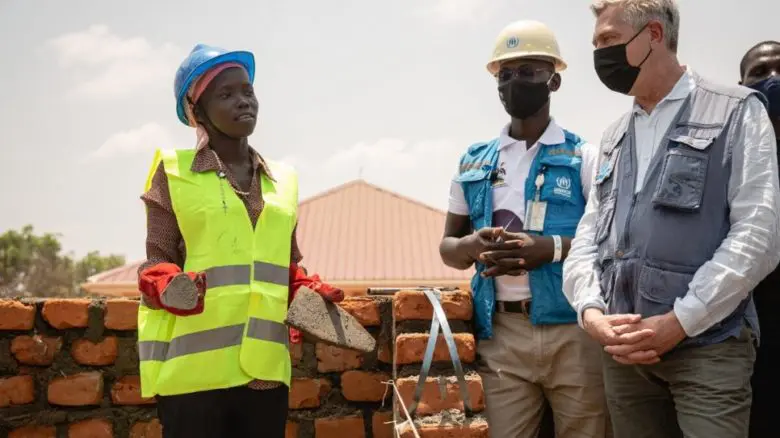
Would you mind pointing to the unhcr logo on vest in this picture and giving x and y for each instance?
(563, 186)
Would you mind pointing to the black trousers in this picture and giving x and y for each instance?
(235, 412)
(766, 372)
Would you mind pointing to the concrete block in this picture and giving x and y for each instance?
(327, 322)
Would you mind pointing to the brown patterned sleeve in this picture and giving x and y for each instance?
(295, 254)
(164, 242)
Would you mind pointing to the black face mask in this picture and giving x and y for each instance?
(613, 68)
(523, 99)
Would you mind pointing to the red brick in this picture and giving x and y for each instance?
(35, 350)
(476, 429)
(415, 305)
(362, 386)
(307, 393)
(127, 391)
(34, 432)
(100, 353)
(331, 358)
(150, 429)
(410, 348)
(296, 354)
(364, 309)
(121, 314)
(339, 427)
(430, 399)
(291, 430)
(94, 428)
(82, 389)
(16, 390)
(16, 316)
(382, 424)
(65, 314)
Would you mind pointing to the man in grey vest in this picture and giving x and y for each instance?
(681, 225)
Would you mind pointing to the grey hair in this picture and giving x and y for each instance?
(638, 13)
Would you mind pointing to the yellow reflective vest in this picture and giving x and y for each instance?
(241, 335)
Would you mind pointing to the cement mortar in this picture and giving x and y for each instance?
(452, 417)
(437, 369)
(456, 326)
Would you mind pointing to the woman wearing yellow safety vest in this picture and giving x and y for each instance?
(221, 252)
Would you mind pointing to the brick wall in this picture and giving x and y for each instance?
(440, 410)
(69, 368)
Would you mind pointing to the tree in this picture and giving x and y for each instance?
(32, 265)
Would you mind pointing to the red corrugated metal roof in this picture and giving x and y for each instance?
(359, 232)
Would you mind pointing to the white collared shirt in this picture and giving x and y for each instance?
(750, 251)
(509, 197)
(650, 128)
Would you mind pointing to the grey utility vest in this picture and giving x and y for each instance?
(651, 243)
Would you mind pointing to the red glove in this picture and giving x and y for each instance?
(298, 278)
(165, 286)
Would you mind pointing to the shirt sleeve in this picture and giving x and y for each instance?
(751, 250)
(164, 242)
(295, 253)
(581, 277)
(457, 204)
(590, 158)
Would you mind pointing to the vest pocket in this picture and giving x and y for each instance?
(604, 220)
(658, 289)
(682, 180)
(607, 280)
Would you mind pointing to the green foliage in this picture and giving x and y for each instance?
(33, 265)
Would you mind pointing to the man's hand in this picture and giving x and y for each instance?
(480, 241)
(519, 253)
(668, 333)
(620, 331)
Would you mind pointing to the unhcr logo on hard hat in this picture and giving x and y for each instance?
(512, 42)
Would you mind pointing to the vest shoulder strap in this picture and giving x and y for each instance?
(478, 155)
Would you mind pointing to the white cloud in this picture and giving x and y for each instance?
(458, 11)
(110, 66)
(421, 170)
(145, 138)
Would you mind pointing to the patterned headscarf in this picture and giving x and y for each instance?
(194, 93)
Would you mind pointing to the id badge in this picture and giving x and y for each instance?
(534, 215)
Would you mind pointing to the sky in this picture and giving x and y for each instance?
(390, 91)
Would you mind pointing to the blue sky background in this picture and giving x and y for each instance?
(397, 89)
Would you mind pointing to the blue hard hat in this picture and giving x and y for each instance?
(201, 59)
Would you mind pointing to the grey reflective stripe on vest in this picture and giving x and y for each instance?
(227, 275)
(233, 275)
(213, 339)
(269, 273)
(265, 330)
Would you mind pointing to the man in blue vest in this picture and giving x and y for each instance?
(514, 206)
(760, 70)
(681, 226)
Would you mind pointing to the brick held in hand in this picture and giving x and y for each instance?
(327, 322)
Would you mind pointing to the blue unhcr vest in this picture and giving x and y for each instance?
(562, 190)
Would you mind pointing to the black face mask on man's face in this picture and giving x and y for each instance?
(523, 99)
(613, 68)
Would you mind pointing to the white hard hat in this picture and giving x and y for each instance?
(526, 39)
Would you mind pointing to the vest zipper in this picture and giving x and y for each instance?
(628, 220)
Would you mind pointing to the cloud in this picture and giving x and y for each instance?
(109, 66)
(421, 170)
(145, 138)
(458, 11)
